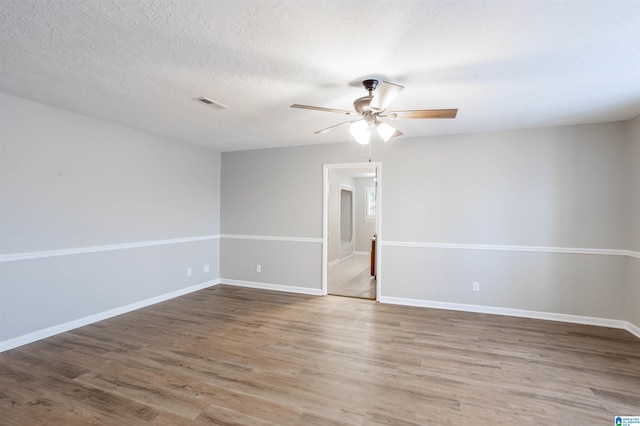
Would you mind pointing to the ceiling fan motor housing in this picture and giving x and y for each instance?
(370, 85)
(361, 105)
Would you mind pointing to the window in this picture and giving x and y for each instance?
(370, 204)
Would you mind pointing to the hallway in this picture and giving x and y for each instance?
(351, 277)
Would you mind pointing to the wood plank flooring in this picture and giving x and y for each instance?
(351, 277)
(231, 355)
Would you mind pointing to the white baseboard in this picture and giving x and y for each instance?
(550, 316)
(355, 253)
(633, 329)
(342, 259)
(276, 287)
(81, 322)
(334, 262)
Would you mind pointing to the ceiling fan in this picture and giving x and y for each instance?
(372, 110)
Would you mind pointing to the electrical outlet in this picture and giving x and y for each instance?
(476, 286)
(258, 268)
(188, 272)
(206, 268)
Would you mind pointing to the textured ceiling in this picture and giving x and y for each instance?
(504, 64)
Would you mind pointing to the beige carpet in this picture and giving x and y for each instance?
(350, 277)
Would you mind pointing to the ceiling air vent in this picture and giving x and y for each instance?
(210, 103)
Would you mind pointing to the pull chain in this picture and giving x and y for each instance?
(362, 151)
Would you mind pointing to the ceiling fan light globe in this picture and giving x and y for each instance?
(358, 127)
(360, 131)
(363, 138)
(385, 131)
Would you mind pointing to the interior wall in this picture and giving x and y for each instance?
(553, 187)
(95, 216)
(538, 205)
(633, 232)
(286, 185)
(364, 230)
(552, 191)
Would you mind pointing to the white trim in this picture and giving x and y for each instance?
(12, 257)
(539, 249)
(550, 316)
(635, 254)
(347, 187)
(377, 166)
(379, 248)
(349, 256)
(325, 230)
(81, 322)
(355, 253)
(273, 287)
(633, 329)
(271, 238)
(335, 262)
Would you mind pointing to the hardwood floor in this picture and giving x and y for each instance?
(231, 355)
(351, 277)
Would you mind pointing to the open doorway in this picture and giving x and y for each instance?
(351, 225)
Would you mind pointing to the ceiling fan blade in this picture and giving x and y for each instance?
(315, 108)
(424, 113)
(334, 126)
(384, 95)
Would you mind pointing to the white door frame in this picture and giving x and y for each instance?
(325, 220)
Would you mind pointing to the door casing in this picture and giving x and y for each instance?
(377, 166)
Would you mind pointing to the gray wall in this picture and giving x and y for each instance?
(69, 182)
(561, 189)
(553, 187)
(276, 193)
(513, 210)
(633, 190)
